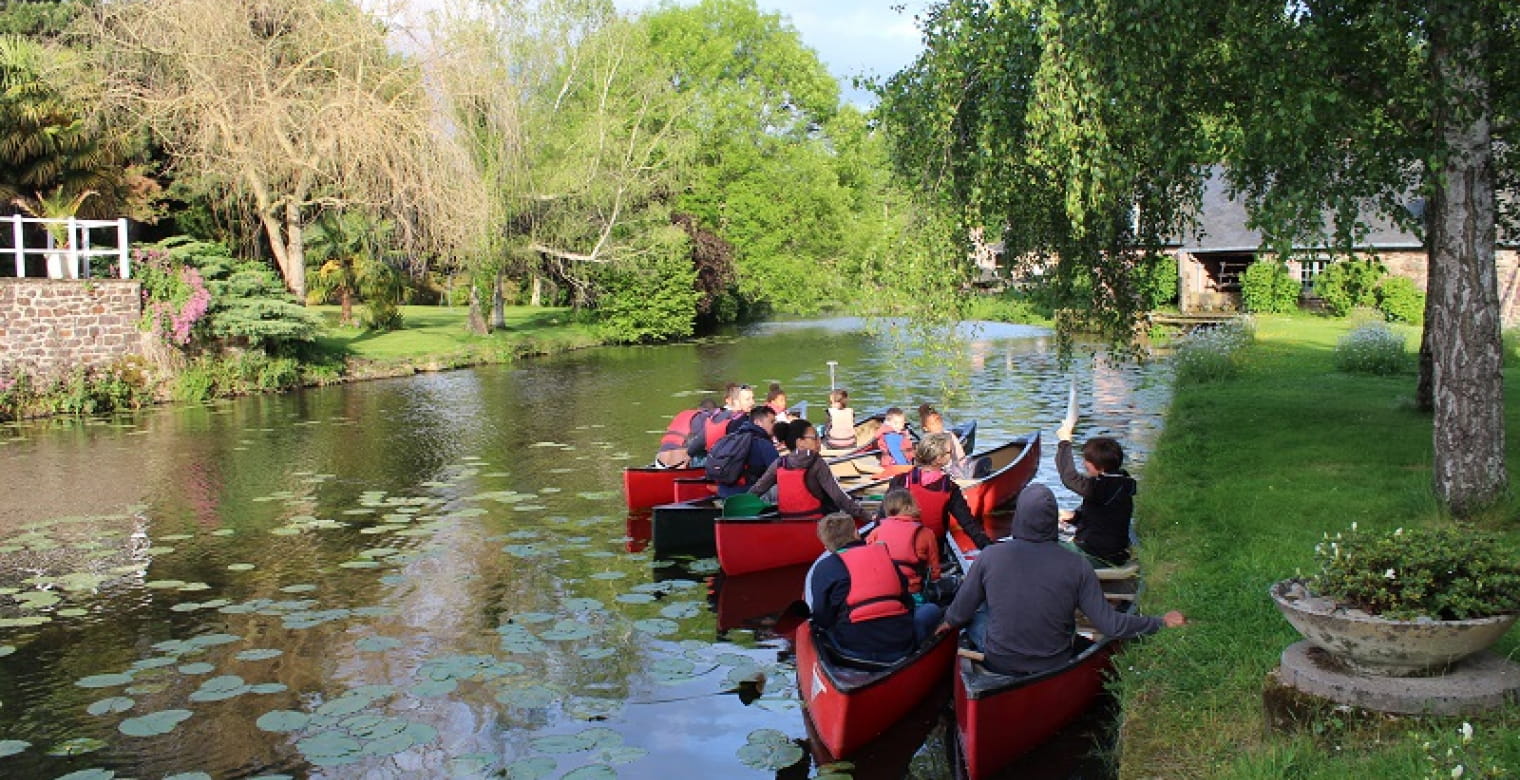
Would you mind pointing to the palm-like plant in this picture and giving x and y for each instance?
(352, 262)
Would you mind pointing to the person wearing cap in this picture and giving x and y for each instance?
(1020, 598)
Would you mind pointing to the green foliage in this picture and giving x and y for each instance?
(1400, 300)
(352, 260)
(249, 305)
(1267, 287)
(1346, 284)
(236, 373)
(1442, 573)
(38, 18)
(17, 393)
(121, 385)
(653, 301)
(1014, 306)
(1212, 354)
(1157, 282)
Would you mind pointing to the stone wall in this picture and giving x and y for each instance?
(50, 326)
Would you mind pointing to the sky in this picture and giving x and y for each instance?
(852, 37)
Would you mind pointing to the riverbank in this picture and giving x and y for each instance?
(437, 338)
(1248, 475)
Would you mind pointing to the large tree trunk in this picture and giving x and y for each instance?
(498, 304)
(295, 252)
(1464, 330)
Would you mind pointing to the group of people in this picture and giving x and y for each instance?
(1018, 603)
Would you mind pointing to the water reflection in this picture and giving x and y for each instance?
(434, 575)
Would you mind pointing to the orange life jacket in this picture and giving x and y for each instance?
(875, 589)
(898, 534)
(933, 501)
(715, 426)
(677, 431)
(906, 445)
(792, 494)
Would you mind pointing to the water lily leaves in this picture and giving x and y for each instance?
(682, 609)
(199, 667)
(282, 721)
(471, 765)
(104, 680)
(568, 630)
(344, 705)
(240, 567)
(267, 688)
(560, 744)
(153, 724)
(596, 653)
(378, 552)
(110, 705)
(164, 584)
(634, 598)
(360, 564)
(591, 772)
(528, 697)
(531, 768)
(522, 550)
(377, 644)
(79, 581)
(6, 650)
(25, 622)
(530, 618)
(624, 754)
(223, 532)
(37, 599)
(672, 670)
(259, 654)
(304, 587)
(433, 688)
(76, 747)
(10, 747)
(769, 750)
(657, 626)
(221, 687)
(609, 575)
(330, 748)
(188, 776)
(212, 640)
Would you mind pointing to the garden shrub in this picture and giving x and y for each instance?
(1213, 354)
(1268, 287)
(1442, 573)
(1157, 282)
(654, 301)
(1371, 349)
(248, 304)
(85, 391)
(1346, 284)
(1400, 300)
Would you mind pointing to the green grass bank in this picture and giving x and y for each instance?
(1247, 477)
(434, 338)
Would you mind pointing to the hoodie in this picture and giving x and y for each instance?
(1108, 502)
(1031, 588)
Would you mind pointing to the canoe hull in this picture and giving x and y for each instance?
(847, 708)
(998, 719)
(999, 488)
(750, 544)
(645, 487)
(684, 528)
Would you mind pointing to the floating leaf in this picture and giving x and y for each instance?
(625, 754)
(596, 653)
(560, 743)
(282, 721)
(259, 654)
(330, 748)
(104, 680)
(6, 650)
(267, 688)
(344, 705)
(635, 598)
(529, 697)
(568, 630)
(304, 587)
(657, 626)
(89, 774)
(672, 669)
(531, 768)
(529, 618)
(153, 724)
(164, 584)
(110, 705)
(590, 772)
(188, 776)
(362, 564)
(769, 750)
(432, 688)
(211, 640)
(580, 604)
(199, 667)
(682, 610)
(76, 746)
(218, 688)
(609, 575)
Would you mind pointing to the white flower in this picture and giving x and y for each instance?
(1467, 732)
(1398, 532)
(1457, 771)
(1353, 525)
(1390, 574)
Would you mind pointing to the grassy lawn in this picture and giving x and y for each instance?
(438, 336)
(1248, 475)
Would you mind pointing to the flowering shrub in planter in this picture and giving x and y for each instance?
(1441, 573)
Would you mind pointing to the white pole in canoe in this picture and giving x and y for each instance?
(832, 363)
(1071, 405)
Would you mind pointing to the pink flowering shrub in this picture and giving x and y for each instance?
(175, 297)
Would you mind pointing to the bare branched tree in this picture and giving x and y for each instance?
(288, 108)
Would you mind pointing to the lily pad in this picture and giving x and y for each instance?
(531, 768)
(282, 721)
(188, 776)
(110, 705)
(568, 630)
(682, 610)
(344, 705)
(76, 747)
(95, 773)
(211, 640)
(596, 653)
(529, 697)
(330, 748)
(769, 750)
(6, 650)
(560, 743)
(624, 754)
(259, 654)
(591, 772)
(104, 680)
(268, 688)
(377, 644)
(672, 669)
(199, 667)
(240, 567)
(530, 618)
(635, 598)
(657, 626)
(304, 587)
(153, 724)
(221, 687)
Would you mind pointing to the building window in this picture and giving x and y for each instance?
(1308, 270)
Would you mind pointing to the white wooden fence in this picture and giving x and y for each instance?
(72, 260)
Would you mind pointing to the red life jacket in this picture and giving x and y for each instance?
(875, 590)
(792, 494)
(933, 501)
(677, 431)
(716, 426)
(898, 534)
(906, 445)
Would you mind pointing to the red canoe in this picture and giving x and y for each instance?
(849, 706)
(1007, 470)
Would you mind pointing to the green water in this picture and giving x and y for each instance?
(431, 576)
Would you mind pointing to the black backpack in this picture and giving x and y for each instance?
(726, 459)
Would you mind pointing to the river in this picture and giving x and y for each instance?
(433, 576)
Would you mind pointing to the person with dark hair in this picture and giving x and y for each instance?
(839, 431)
(931, 421)
(761, 451)
(707, 429)
(776, 399)
(1020, 598)
(860, 600)
(803, 482)
(937, 495)
(1102, 522)
(672, 453)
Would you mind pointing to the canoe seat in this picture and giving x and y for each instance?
(1128, 571)
(847, 666)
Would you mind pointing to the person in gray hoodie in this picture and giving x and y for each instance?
(1028, 591)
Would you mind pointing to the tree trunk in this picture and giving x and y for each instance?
(538, 291)
(477, 320)
(498, 304)
(346, 297)
(1464, 330)
(295, 252)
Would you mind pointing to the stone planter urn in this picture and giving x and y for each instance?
(1378, 646)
